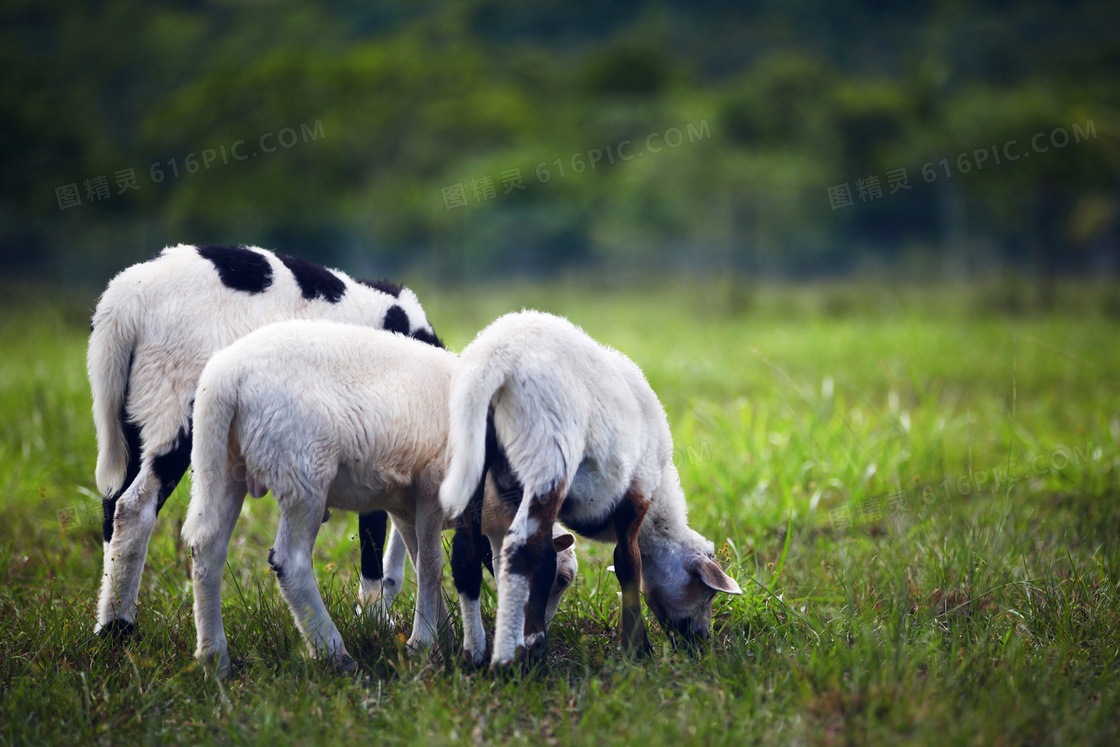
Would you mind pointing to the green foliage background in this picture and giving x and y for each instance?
(413, 97)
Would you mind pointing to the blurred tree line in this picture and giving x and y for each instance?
(493, 136)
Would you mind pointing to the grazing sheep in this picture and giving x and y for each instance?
(325, 416)
(586, 436)
(156, 325)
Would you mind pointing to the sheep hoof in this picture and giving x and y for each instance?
(639, 649)
(215, 663)
(376, 598)
(517, 666)
(474, 659)
(419, 646)
(505, 669)
(116, 630)
(376, 609)
(536, 649)
(344, 664)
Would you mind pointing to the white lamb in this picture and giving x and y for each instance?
(156, 325)
(588, 439)
(326, 416)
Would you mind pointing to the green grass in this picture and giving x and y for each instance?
(846, 447)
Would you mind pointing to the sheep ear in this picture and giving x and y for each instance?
(711, 575)
(562, 542)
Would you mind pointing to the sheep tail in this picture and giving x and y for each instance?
(212, 513)
(473, 387)
(112, 341)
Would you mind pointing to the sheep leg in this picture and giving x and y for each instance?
(467, 550)
(393, 565)
(536, 622)
(129, 521)
(428, 557)
(533, 619)
(291, 560)
(208, 555)
(522, 553)
(381, 578)
(628, 568)
(407, 533)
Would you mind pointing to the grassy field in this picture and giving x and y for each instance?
(917, 490)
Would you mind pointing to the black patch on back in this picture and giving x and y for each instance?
(396, 320)
(172, 464)
(239, 268)
(384, 286)
(315, 281)
(132, 466)
(371, 539)
(428, 337)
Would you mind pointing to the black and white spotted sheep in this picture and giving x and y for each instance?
(155, 327)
